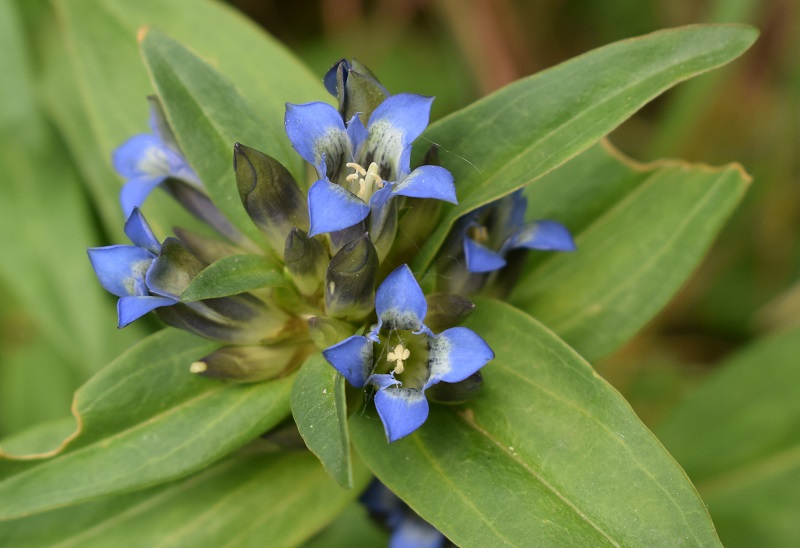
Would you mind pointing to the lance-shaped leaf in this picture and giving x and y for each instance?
(516, 135)
(143, 420)
(207, 114)
(231, 276)
(270, 195)
(640, 231)
(284, 497)
(547, 454)
(116, 82)
(736, 437)
(319, 408)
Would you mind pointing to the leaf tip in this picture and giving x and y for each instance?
(141, 34)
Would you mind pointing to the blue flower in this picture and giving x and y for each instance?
(408, 530)
(409, 357)
(146, 160)
(377, 157)
(123, 270)
(490, 232)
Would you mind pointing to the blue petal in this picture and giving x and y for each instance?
(455, 354)
(144, 155)
(480, 258)
(545, 235)
(402, 410)
(413, 532)
(393, 126)
(332, 207)
(519, 203)
(428, 182)
(379, 499)
(133, 308)
(119, 266)
(135, 191)
(317, 133)
(400, 301)
(357, 134)
(329, 80)
(139, 232)
(352, 358)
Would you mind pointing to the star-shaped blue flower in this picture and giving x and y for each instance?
(408, 530)
(490, 232)
(361, 168)
(402, 357)
(123, 269)
(146, 160)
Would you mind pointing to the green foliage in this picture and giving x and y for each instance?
(549, 453)
(737, 437)
(640, 231)
(518, 134)
(319, 406)
(239, 501)
(231, 276)
(143, 420)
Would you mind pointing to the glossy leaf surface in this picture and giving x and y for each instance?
(547, 454)
(231, 276)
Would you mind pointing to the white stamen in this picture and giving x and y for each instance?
(369, 180)
(399, 355)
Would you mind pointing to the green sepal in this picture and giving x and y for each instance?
(458, 392)
(326, 332)
(350, 280)
(248, 363)
(269, 194)
(306, 260)
(446, 310)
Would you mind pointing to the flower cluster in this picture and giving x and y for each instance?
(335, 244)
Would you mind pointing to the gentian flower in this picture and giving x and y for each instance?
(492, 231)
(122, 270)
(377, 157)
(408, 530)
(148, 159)
(402, 357)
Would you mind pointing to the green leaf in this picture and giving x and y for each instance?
(231, 276)
(319, 408)
(42, 438)
(143, 420)
(241, 501)
(353, 527)
(516, 135)
(208, 115)
(113, 83)
(736, 436)
(648, 230)
(547, 454)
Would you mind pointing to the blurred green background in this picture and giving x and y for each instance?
(57, 326)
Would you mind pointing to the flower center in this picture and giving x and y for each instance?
(478, 234)
(399, 355)
(154, 162)
(405, 355)
(364, 182)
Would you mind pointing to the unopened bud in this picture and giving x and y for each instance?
(270, 194)
(173, 269)
(350, 280)
(247, 363)
(305, 260)
(457, 392)
(326, 332)
(357, 88)
(208, 250)
(446, 310)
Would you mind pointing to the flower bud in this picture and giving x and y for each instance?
(350, 280)
(357, 88)
(305, 260)
(208, 250)
(326, 332)
(248, 363)
(458, 392)
(446, 310)
(270, 195)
